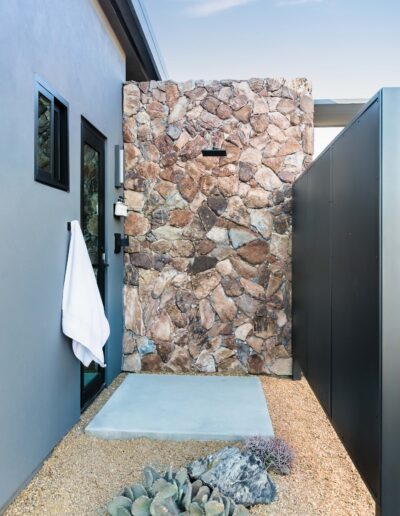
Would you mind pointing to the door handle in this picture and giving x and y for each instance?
(103, 260)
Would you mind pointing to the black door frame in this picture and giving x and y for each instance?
(93, 137)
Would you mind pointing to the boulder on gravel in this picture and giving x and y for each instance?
(239, 475)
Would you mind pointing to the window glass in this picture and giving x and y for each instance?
(51, 145)
(90, 219)
(44, 134)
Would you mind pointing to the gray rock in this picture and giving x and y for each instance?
(145, 346)
(203, 263)
(262, 221)
(218, 235)
(131, 275)
(205, 362)
(142, 260)
(240, 476)
(174, 131)
(132, 363)
(246, 171)
(159, 217)
(241, 236)
(207, 216)
(218, 204)
(160, 260)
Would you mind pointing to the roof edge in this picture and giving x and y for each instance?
(151, 39)
(141, 64)
(336, 112)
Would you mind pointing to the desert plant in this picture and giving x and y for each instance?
(256, 445)
(274, 452)
(170, 494)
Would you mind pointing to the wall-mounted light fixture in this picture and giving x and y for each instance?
(120, 208)
(119, 166)
(120, 242)
(214, 152)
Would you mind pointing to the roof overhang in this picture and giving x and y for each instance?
(336, 113)
(142, 61)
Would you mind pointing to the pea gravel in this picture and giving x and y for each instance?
(84, 473)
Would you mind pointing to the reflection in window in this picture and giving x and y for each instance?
(90, 222)
(44, 134)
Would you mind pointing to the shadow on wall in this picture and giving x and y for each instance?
(208, 267)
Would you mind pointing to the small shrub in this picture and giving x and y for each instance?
(257, 446)
(274, 452)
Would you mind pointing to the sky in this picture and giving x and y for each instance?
(347, 48)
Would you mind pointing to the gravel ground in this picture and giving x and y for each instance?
(84, 473)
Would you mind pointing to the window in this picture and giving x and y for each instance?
(51, 139)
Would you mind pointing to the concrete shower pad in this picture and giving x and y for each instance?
(182, 407)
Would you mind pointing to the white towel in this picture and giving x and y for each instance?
(83, 318)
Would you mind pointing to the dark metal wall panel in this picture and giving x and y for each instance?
(311, 278)
(355, 292)
(319, 280)
(364, 277)
(300, 272)
(390, 273)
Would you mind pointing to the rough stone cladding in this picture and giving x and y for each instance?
(208, 267)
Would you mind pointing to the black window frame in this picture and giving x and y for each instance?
(59, 162)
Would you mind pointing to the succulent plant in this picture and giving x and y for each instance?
(274, 452)
(170, 494)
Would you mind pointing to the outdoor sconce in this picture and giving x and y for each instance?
(119, 166)
(120, 208)
(120, 242)
(214, 152)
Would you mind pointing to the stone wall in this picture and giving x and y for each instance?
(208, 267)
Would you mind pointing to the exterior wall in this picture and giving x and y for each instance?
(69, 46)
(208, 267)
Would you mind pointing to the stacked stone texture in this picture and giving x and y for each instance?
(208, 267)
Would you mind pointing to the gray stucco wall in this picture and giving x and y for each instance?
(68, 45)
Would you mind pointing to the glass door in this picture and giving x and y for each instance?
(92, 224)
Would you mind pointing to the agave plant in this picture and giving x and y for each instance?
(274, 452)
(170, 494)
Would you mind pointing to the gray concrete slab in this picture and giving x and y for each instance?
(180, 407)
